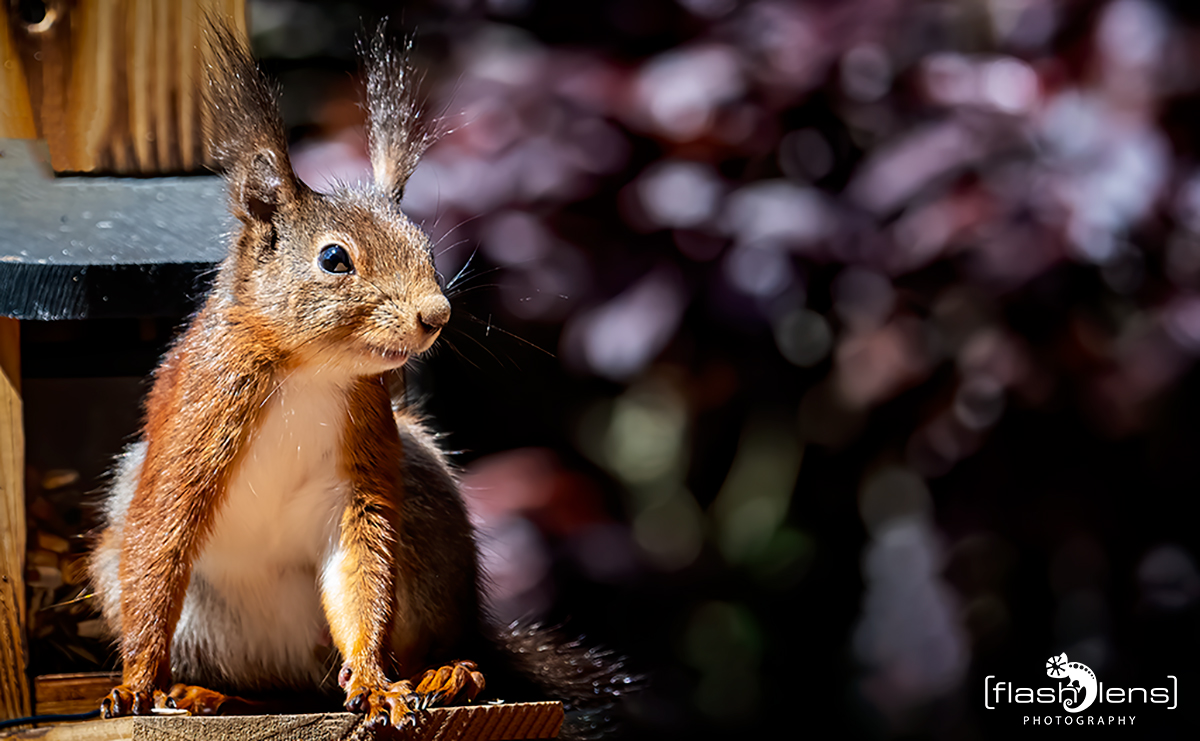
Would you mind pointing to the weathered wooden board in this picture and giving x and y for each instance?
(79, 248)
(69, 694)
(114, 86)
(14, 684)
(108, 86)
(16, 114)
(511, 722)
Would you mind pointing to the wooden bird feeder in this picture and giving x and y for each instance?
(108, 220)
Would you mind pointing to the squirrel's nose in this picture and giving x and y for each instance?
(433, 312)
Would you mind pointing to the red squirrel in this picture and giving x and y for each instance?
(277, 501)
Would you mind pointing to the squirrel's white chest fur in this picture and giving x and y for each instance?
(277, 524)
(252, 613)
(283, 501)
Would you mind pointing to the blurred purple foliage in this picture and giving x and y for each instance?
(825, 356)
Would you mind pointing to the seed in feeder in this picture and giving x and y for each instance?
(91, 628)
(59, 478)
(52, 542)
(43, 577)
(41, 557)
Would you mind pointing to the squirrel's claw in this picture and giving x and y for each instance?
(390, 705)
(400, 705)
(124, 700)
(442, 685)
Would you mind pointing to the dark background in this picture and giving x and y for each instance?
(823, 358)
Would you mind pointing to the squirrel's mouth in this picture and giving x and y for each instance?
(393, 358)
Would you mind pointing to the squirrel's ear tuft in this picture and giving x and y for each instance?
(398, 131)
(244, 129)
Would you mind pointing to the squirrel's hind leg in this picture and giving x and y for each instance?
(123, 700)
(201, 701)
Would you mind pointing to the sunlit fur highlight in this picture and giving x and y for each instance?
(398, 130)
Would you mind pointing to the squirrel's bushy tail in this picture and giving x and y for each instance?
(538, 662)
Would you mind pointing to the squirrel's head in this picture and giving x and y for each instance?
(345, 278)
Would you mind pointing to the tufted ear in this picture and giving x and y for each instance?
(263, 185)
(398, 131)
(244, 129)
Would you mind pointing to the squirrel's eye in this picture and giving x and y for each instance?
(335, 259)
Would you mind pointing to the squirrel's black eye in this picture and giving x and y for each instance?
(335, 259)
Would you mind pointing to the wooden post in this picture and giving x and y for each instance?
(113, 86)
(16, 115)
(14, 682)
(17, 121)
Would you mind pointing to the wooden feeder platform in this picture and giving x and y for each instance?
(528, 720)
(105, 218)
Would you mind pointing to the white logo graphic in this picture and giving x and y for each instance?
(1082, 678)
(1078, 689)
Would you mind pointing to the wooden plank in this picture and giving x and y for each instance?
(140, 53)
(44, 50)
(14, 683)
(56, 694)
(74, 248)
(189, 117)
(57, 292)
(505, 722)
(95, 94)
(16, 113)
(166, 38)
(10, 351)
(120, 729)
(111, 85)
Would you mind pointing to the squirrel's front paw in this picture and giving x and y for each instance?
(384, 705)
(125, 700)
(443, 684)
